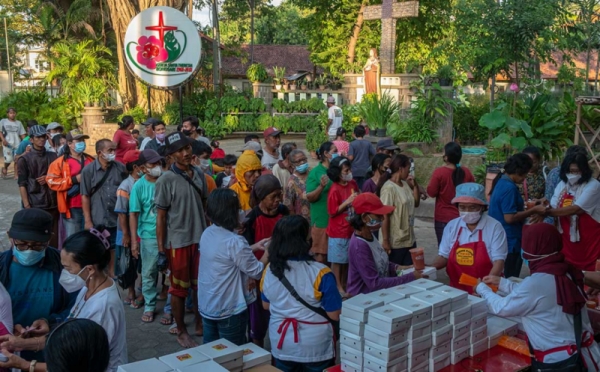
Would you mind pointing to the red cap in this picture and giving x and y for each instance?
(271, 131)
(369, 203)
(131, 156)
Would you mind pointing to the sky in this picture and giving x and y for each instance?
(203, 16)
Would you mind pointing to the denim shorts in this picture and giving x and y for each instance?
(337, 251)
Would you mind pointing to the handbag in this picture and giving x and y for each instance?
(572, 364)
(334, 323)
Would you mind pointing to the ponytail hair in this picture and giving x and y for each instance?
(519, 164)
(453, 153)
(126, 121)
(325, 147)
(398, 161)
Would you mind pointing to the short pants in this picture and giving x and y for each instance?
(337, 251)
(9, 154)
(183, 267)
(319, 240)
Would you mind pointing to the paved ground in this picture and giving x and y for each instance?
(151, 340)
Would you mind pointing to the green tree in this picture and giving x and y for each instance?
(281, 25)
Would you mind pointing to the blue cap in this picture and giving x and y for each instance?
(473, 193)
(37, 131)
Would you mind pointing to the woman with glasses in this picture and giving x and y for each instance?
(474, 243)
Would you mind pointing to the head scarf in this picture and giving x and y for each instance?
(263, 187)
(248, 161)
(542, 244)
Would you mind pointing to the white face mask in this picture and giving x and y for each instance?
(109, 157)
(155, 172)
(204, 164)
(470, 217)
(347, 177)
(71, 282)
(573, 178)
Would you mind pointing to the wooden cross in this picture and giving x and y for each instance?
(389, 11)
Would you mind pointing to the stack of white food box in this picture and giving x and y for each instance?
(217, 356)
(420, 326)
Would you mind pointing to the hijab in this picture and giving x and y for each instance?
(542, 244)
(248, 161)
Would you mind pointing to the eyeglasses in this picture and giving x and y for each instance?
(23, 246)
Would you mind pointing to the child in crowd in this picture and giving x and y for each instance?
(217, 153)
(360, 153)
(224, 177)
(339, 207)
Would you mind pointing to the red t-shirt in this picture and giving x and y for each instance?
(442, 189)
(338, 226)
(217, 153)
(125, 142)
(75, 167)
(259, 226)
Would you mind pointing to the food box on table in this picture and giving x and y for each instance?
(423, 367)
(441, 335)
(479, 334)
(461, 315)
(384, 339)
(461, 342)
(462, 329)
(208, 366)
(406, 290)
(431, 272)
(148, 365)
(458, 355)
(419, 330)
(351, 367)
(378, 365)
(386, 353)
(478, 321)
(254, 356)
(351, 340)
(496, 325)
(459, 297)
(442, 361)
(478, 305)
(418, 358)
(419, 344)
(440, 304)
(352, 325)
(184, 358)
(358, 307)
(420, 311)
(436, 351)
(439, 322)
(386, 295)
(221, 351)
(478, 347)
(351, 355)
(424, 284)
(390, 319)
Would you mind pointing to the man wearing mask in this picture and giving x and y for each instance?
(159, 132)
(64, 177)
(201, 159)
(30, 272)
(53, 129)
(33, 168)
(99, 183)
(190, 128)
(11, 134)
(271, 154)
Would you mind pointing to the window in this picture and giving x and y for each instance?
(41, 65)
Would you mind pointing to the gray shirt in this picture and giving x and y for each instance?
(103, 201)
(203, 139)
(362, 151)
(185, 213)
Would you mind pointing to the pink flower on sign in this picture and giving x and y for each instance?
(514, 87)
(150, 51)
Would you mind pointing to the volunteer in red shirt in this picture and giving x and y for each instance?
(474, 243)
(123, 138)
(443, 185)
(339, 206)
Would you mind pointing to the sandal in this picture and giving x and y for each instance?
(173, 330)
(4, 173)
(166, 319)
(148, 317)
(136, 304)
(128, 301)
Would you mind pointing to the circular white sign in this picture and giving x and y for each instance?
(162, 47)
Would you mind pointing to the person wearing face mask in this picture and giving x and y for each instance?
(369, 267)
(247, 171)
(576, 204)
(52, 130)
(85, 257)
(223, 178)
(317, 190)
(294, 197)
(474, 243)
(379, 165)
(266, 210)
(507, 207)
(159, 135)
(64, 177)
(201, 159)
(284, 168)
(339, 207)
(191, 128)
(551, 304)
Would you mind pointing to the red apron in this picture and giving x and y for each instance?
(469, 258)
(584, 253)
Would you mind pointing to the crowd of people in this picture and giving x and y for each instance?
(260, 244)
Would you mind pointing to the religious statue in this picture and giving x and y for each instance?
(372, 73)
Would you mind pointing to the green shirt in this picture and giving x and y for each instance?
(141, 200)
(318, 210)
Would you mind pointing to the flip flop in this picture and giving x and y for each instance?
(127, 301)
(166, 319)
(136, 304)
(148, 317)
(173, 330)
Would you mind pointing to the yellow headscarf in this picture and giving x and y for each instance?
(248, 161)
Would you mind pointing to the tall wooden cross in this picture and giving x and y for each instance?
(389, 11)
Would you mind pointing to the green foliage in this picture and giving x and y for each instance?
(379, 112)
(317, 136)
(138, 114)
(36, 104)
(279, 73)
(445, 72)
(313, 105)
(257, 73)
(280, 25)
(465, 120)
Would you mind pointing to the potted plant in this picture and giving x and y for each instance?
(257, 73)
(279, 73)
(445, 74)
(294, 84)
(98, 92)
(303, 84)
(379, 112)
(321, 82)
(85, 91)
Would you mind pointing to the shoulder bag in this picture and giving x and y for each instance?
(99, 184)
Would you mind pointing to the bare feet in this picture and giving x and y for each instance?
(185, 340)
(199, 327)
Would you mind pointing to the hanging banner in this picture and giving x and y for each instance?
(162, 47)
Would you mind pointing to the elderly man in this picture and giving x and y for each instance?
(271, 154)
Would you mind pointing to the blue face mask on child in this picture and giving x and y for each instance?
(80, 147)
(28, 257)
(334, 155)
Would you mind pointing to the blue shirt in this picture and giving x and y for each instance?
(506, 199)
(23, 146)
(31, 290)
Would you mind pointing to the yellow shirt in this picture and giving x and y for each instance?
(402, 231)
(244, 196)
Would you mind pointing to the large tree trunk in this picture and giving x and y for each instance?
(355, 33)
(132, 92)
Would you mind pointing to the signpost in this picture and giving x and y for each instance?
(162, 48)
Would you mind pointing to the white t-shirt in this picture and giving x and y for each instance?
(6, 317)
(145, 141)
(334, 114)
(106, 309)
(269, 160)
(12, 131)
(586, 197)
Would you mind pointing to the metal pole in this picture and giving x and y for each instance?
(149, 101)
(215, 46)
(251, 31)
(180, 104)
(8, 57)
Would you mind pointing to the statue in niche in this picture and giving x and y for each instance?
(372, 73)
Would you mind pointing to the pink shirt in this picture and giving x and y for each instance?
(125, 142)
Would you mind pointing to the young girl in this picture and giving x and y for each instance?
(217, 153)
(339, 206)
(265, 199)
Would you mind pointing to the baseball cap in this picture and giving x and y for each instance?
(369, 203)
(271, 131)
(387, 143)
(149, 156)
(37, 131)
(331, 99)
(251, 145)
(176, 141)
(31, 224)
(470, 192)
(150, 121)
(131, 156)
(54, 125)
(76, 135)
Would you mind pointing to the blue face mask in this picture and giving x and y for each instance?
(28, 257)
(334, 155)
(80, 147)
(302, 168)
